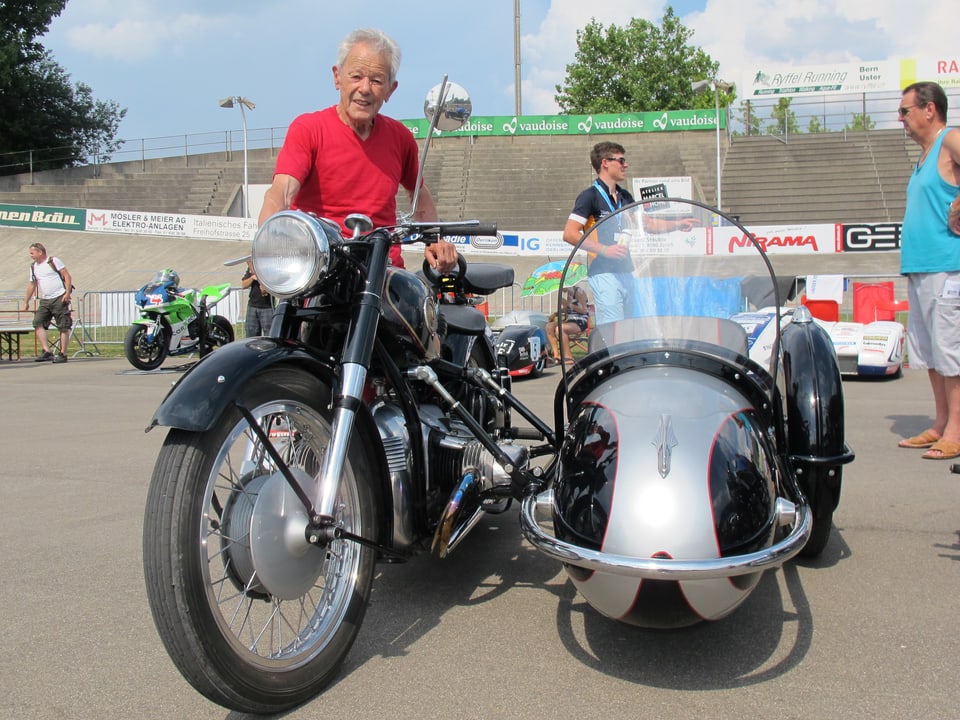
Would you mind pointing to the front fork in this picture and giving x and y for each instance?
(357, 352)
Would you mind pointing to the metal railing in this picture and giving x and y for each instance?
(831, 113)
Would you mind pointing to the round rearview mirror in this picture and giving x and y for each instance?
(454, 109)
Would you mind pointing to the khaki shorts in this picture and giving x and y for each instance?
(933, 325)
(55, 309)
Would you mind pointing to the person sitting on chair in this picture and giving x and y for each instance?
(575, 316)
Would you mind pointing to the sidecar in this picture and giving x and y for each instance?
(692, 458)
(520, 337)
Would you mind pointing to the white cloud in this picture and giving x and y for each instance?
(134, 40)
(743, 35)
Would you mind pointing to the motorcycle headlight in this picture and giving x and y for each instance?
(291, 252)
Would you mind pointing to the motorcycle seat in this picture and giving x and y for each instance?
(464, 319)
(487, 278)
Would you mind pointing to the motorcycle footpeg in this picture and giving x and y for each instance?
(519, 433)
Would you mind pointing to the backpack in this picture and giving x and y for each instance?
(53, 267)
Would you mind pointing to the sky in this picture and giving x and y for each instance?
(169, 61)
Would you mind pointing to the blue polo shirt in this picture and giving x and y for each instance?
(593, 205)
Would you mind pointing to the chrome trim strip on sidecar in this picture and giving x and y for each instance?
(661, 568)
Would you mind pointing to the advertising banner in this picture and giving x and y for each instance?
(842, 78)
(52, 218)
(211, 227)
(520, 125)
(779, 239)
(943, 70)
(850, 77)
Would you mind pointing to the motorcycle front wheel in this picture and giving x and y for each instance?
(256, 618)
(142, 353)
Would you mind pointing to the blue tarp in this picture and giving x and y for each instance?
(688, 296)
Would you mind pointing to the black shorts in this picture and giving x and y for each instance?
(55, 309)
(581, 320)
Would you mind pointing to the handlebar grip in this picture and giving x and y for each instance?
(489, 229)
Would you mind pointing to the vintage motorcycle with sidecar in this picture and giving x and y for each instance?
(375, 423)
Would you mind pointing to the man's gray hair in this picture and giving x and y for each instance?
(376, 39)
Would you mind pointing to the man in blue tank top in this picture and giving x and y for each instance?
(930, 259)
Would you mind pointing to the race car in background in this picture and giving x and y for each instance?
(873, 349)
(521, 336)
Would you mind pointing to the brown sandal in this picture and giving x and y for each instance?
(919, 442)
(943, 449)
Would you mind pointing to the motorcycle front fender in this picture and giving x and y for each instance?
(203, 394)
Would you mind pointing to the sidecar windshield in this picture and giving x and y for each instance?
(673, 270)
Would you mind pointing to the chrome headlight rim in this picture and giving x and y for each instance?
(291, 252)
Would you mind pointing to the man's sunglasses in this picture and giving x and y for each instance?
(621, 160)
(904, 110)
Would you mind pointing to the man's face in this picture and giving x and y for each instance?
(364, 84)
(913, 115)
(35, 254)
(617, 165)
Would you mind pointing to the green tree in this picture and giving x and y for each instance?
(860, 121)
(815, 126)
(746, 115)
(40, 109)
(784, 119)
(640, 67)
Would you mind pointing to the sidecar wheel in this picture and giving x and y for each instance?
(255, 617)
(144, 355)
(823, 502)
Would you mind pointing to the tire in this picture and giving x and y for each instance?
(141, 354)
(219, 333)
(538, 367)
(823, 501)
(256, 624)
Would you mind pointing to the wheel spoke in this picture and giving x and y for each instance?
(249, 590)
(270, 627)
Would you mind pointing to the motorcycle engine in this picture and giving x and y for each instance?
(451, 453)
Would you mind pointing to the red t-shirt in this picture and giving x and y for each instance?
(341, 174)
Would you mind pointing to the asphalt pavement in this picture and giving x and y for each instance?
(869, 630)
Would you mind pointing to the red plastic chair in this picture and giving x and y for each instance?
(888, 309)
(828, 310)
(867, 298)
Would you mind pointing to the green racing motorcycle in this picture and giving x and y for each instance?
(175, 321)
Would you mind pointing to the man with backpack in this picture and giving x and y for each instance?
(51, 281)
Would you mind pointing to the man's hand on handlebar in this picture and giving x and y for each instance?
(442, 256)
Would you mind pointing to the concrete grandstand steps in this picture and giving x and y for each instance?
(529, 183)
(824, 177)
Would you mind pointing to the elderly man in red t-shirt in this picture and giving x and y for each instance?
(348, 158)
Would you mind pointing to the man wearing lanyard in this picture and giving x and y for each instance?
(611, 270)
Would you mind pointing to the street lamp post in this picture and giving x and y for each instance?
(717, 85)
(242, 102)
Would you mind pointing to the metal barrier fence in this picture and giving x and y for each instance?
(104, 317)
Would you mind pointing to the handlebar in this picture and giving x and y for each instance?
(442, 229)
